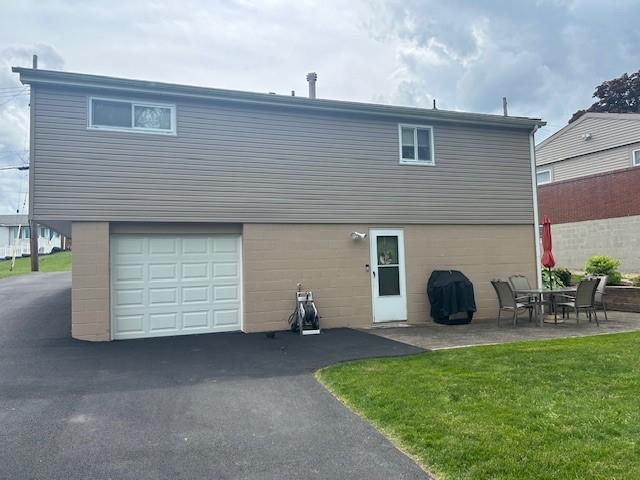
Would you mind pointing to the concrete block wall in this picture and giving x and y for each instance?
(323, 258)
(481, 252)
(574, 243)
(326, 260)
(90, 300)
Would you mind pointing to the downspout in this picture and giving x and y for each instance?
(536, 215)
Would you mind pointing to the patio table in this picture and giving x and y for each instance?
(540, 292)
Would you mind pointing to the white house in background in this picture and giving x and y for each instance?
(15, 234)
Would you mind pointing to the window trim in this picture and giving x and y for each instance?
(633, 158)
(409, 161)
(134, 103)
(538, 172)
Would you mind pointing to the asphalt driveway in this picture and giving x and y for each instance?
(221, 406)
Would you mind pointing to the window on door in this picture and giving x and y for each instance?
(388, 266)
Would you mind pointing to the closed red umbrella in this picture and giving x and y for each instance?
(547, 257)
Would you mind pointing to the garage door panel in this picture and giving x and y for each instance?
(163, 246)
(130, 323)
(162, 271)
(163, 296)
(224, 245)
(198, 319)
(198, 294)
(226, 270)
(195, 271)
(175, 285)
(196, 246)
(128, 273)
(226, 293)
(163, 322)
(224, 318)
(129, 297)
(129, 246)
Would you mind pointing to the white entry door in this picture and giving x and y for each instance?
(175, 284)
(387, 275)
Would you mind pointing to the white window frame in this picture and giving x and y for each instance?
(133, 103)
(633, 158)
(415, 161)
(538, 172)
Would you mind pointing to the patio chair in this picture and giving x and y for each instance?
(507, 300)
(584, 299)
(600, 293)
(520, 283)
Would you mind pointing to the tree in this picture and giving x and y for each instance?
(620, 95)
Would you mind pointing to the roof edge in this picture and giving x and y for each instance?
(69, 79)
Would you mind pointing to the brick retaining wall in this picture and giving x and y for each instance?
(623, 299)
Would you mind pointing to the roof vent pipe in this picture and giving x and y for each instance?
(505, 110)
(35, 62)
(311, 78)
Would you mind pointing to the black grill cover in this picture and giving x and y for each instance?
(451, 297)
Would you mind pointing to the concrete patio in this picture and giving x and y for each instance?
(433, 336)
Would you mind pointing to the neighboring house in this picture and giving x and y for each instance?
(196, 210)
(588, 177)
(15, 237)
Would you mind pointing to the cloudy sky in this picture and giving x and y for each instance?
(546, 56)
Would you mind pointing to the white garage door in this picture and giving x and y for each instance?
(174, 284)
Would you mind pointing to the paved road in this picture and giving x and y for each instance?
(221, 406)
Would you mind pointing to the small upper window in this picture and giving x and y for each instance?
(416, 145)
(124, 115)
(543, 176)
(636, 158)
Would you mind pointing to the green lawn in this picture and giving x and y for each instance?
(560, 409)
(56, 262)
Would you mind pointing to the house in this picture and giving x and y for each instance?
(589, 185)
(197, 210)
(15, 234)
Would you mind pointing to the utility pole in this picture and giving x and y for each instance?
(33, 242)
(33, 227)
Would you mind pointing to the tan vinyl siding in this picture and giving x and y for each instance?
(266, 164)
(606, 133)
(591, 164)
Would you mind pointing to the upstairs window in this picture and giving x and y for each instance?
(122, 115)
(543, 176)
(416, 144)
(636, 158)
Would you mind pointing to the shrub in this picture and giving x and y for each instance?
(556, 280)
(564, 275)
(604, 265)
(635, 281)
(575, 278)
(56, 250)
